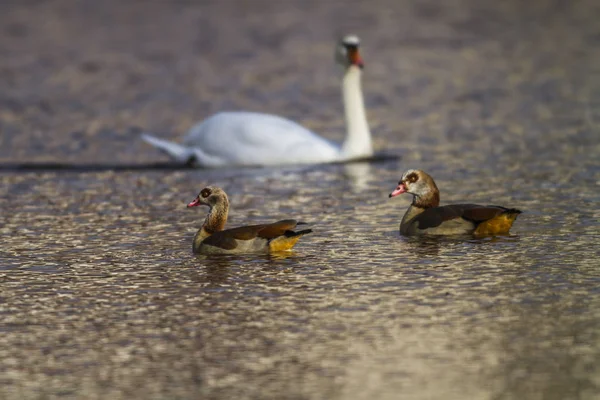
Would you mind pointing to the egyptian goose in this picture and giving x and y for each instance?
(426, 217)
(253, 139)
(265, 238)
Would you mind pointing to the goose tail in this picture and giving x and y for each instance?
(498, 225)
(287, 241)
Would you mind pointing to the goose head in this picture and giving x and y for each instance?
(346, 52)
(421, 186)
(211, 196)
(218, 203)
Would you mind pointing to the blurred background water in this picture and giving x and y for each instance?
(100, 296)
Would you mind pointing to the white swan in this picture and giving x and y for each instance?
(253, 139)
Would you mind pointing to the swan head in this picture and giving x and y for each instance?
(346, 52)
(210, 196)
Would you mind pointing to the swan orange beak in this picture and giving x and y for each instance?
(399, 190)
(355, 58)
(195, 202)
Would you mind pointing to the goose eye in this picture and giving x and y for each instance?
(412, 178)
(205, 192)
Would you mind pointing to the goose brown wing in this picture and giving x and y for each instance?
(480, 214)
(228, 238)
(433, 217)
(277, 229)
(221, 240)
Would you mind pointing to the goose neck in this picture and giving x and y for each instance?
(429, 199)
(215, 220)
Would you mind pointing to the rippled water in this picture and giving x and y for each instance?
(101, 297)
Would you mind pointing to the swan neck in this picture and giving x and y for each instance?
(358, 137)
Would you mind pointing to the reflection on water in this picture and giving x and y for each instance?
(358, 175)
(101, 296)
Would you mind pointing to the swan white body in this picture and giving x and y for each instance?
(254, 139)
(246, 138)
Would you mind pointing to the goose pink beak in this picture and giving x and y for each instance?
(399, 190)
(194, 203)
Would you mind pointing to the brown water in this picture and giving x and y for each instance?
(100, 296)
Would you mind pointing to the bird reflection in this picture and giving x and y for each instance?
(282, 255)
(358, 175)
(217, 269)
(425, 245)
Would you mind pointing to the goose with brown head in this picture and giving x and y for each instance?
(211, 238)
(426, 217)
(218, 204)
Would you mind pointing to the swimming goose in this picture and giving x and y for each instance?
(426, 217)
(254, 139)
(265, 238)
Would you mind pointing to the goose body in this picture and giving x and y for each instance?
(426, 217)
(212, 238)
(253, 139)
(266, 238)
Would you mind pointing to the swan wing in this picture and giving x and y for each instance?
(244, 138)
